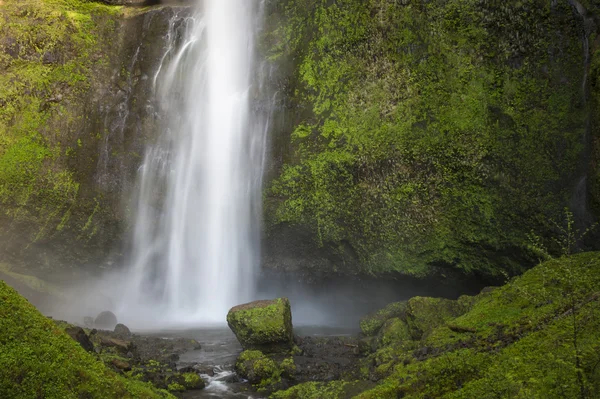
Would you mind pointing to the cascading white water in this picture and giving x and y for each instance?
(195, 240)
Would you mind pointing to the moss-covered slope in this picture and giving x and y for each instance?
(428, 134)
(536, 337)
(38, 359)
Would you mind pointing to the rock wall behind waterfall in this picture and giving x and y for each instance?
(77, 110)
(425, 138)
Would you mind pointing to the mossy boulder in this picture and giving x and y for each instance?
(423, 314)
(264, 371)
(185, 382)
(38, 359)
(535, 337)
(370, 324)
(394, 330)
(264, 325)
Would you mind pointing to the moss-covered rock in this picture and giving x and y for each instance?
(423, 314)
(264, 325)
(536, 337)
(185, 382)
(370, 324)
(38, 359)
(262, 370)
(394, 330)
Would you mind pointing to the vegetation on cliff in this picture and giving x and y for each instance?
(535, 337)
(430, 134)
(47, 52)
(38, 359)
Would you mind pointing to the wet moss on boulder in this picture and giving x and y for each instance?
(394, 330)
(424, 314)
(264, 371)
(264, 325)
(370, 324)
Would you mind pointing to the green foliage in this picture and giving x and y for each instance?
(48, 49)
(535, 337)
(432, 133)
(39, 360)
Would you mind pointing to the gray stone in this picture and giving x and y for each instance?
(106, 320)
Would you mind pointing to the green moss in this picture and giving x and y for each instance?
(394, 330)
(535, 337)
(288, 367)
(193, 381)
(245, 360)
(175, 387)
(50, 51)
(423, 314)
(370, 324)
(262, 371)
(318, 390)
(430, 133)
(39, 359)
(263, 325)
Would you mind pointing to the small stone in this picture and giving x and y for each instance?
(121, 365)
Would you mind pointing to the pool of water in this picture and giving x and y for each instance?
(216, 358)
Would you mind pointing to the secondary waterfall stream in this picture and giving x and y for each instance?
(196, 232)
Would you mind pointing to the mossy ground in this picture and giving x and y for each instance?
(536, 337)
(39, 360)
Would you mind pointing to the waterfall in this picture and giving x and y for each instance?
(195, 243)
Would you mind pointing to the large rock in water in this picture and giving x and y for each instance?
(263, 325)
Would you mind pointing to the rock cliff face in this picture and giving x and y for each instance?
(428, 137)
(420, 138)
(77, 111)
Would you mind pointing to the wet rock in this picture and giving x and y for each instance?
(80, 336)
(106, 320)
(119, 344)
(121, 365)
(371, 323)
(185, 381)
(256, 367)
(121, 330)
(325, 358)
(264, 325)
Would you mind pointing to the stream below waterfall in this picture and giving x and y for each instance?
(216, 358)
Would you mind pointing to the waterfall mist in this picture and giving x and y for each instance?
(195, 244)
